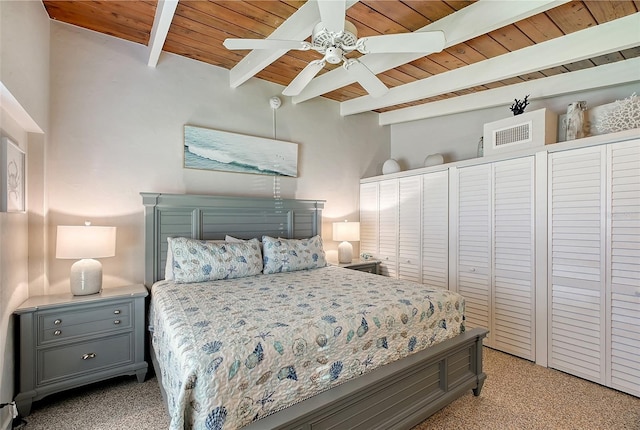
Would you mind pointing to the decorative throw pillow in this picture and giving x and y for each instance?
(168, 266)
(199, 260)
(288, 255)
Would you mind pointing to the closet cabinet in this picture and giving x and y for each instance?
(496, 252)
(404, 224)
(594, 255)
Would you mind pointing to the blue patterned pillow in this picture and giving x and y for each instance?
(289, 255)
(199, 260)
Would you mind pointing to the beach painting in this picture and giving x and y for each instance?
(209, 149)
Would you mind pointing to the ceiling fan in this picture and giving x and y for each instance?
(335, 38)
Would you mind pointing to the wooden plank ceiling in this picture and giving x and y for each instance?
(198, 29)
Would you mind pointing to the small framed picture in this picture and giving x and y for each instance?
(13, 172)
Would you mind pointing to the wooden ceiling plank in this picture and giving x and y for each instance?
(398, 12)
(467, 23)
(511, 38)
(604, 11)
(380, 23)
(592, 42)
(608, 58)
(297, 27)
(255, 13)
(85, 16)
(539, 28)
(432, 10)
(631, 52)
(429, 66)
(572, 17)
(579, 65)
(466, 53)
(278, 8)
(487, 46)
(602, 76)
(219, 13)
(161, 23)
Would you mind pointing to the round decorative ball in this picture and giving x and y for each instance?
(433, 160)
(390, 166)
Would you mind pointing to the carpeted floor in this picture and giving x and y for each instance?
(516, 395)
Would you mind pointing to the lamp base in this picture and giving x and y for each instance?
(345, 252)
(86, 277)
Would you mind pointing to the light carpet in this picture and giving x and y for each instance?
(516, 395)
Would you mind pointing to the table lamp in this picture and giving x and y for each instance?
(344, 232)
(85, 243)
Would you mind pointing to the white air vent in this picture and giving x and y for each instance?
(536, 128)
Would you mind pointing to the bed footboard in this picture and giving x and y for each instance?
(398, 395)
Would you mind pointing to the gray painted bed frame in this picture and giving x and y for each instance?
(398, 395)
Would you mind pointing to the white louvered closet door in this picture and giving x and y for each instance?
(388, 227)
(435, 229)
(369, 219)
(513, 257)
(409, 228)
(576, 257)
(474, 244)
(624, 276)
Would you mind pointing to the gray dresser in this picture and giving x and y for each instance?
(66, 341)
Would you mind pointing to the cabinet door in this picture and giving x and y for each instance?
(369, 219)
(388, 227)
(409, 205)
(513, 257)
(474, 243)
(624, 276)
(435, 229)
(576, 257)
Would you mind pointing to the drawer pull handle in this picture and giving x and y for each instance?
(57, 333)
(57, 322)
(116, 321)
(89, 356)
(116, 312)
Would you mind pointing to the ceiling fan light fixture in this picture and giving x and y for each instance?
(321, 38)
(333, 55)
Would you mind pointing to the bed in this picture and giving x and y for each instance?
(362, 357)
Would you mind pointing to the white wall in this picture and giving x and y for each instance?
(24, 73)
(117, 130)
(457, 136)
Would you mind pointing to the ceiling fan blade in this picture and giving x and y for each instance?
(265, 44)
(365, 77)
(303, 78)
(332, 13)
(427, 42)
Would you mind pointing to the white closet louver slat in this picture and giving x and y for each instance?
(435, 229)
(513, 257)
(474, 241)
(409, 228)
(625, 267)
(369, 219)
(576, 317)
(388, 228)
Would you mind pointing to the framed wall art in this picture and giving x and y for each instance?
(13, 172)
(210, 149)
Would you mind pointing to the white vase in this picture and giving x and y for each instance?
(390, 166)
(575, 120)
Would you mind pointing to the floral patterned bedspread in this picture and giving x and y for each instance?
(233, 351)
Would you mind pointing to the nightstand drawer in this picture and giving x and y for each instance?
(92, 327)
(67, 323)
(73, 360)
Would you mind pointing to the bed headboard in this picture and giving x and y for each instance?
(213, 217)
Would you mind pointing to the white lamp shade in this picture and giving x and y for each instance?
(75, 242)
(346, 231)
(85, 243)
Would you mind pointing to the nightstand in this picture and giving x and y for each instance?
(369, 266)
(66, 341)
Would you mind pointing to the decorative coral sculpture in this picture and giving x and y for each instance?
(519, 106)
(624, 115)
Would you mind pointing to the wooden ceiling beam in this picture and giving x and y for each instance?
(165, 11)
(579, 46)
(472, 21)
(596, 77)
